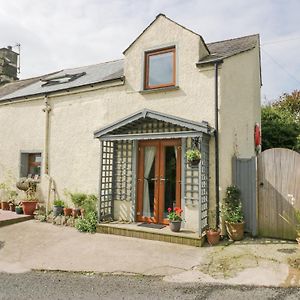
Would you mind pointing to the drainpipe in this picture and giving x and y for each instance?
(217, 168)
(47, 110)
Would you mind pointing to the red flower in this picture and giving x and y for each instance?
(176, 208)
(169, 209)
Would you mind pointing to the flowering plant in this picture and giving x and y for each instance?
(175, 214)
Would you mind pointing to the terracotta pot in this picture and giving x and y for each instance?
(67, 212)
(19, 210)
(235, 231)
(5, 205)
(213, 237)
(12, 207)
(82, 212)
(76, 212)
(29, 207)
(175, 226)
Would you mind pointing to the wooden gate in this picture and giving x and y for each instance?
(278, 192)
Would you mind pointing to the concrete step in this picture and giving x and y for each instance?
(8, 218)
(184, 237)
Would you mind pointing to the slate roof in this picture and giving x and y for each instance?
(90, 75)
(112, 70)
(224, 49)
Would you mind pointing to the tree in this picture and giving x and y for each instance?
(281, 123)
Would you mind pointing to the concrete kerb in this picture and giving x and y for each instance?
(40, 246)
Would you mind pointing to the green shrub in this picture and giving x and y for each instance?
(90, 203)
(78, 199)
(59, 202)
(88, 223)
(232, 208)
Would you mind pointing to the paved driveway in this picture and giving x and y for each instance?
(36, 246)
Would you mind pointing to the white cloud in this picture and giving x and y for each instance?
(57, 34)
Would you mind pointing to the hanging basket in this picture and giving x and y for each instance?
(194, 162)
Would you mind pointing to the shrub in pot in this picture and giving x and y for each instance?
(28, 185)
(193, 157)
(233, 214)
(58, 206)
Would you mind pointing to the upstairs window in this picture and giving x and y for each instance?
(160, 68)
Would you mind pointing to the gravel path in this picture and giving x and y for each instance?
(65, 285)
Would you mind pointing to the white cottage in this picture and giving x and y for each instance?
(121, 128)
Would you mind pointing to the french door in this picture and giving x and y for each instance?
(158, 179)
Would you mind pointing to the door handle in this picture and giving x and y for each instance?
(153, 179)
(163, 179)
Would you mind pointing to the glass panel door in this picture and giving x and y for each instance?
(170, 179)
(158, 183)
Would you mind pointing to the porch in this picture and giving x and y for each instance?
(144, 171)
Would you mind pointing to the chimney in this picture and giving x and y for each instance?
(8, 65)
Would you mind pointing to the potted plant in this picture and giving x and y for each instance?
(233, 214)
(193, 157)
(175, 218)
(58, 206)
(213, 235)
(4, 188)
(12, 195)
(67, 211)
(78, 199)
(28, 185)
(19, 209)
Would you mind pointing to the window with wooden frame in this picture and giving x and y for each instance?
(31, 165)
(160, 68)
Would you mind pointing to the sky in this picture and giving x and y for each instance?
(60, 34)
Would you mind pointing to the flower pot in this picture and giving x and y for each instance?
(76, 212)
(11, 207)
(29, 207)
(67, 212)
(175, 226)
(19, 210)
(5, 205)
(213, 237)
(57, 210)
(194, 162)
(235, 231)
(82, 212)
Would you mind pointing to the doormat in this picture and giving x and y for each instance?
(152, 225)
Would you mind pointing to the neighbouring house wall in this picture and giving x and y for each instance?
(239, 110)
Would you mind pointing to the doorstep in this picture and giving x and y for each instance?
(184, 237)
(8, 217)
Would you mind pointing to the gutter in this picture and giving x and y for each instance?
(216, 132)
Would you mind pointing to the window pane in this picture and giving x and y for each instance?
(34, 164)
(160, 69)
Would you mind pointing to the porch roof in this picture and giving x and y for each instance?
(188, 128)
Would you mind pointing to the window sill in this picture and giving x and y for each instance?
(162, 89)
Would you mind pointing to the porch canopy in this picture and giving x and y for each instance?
(118, 167)
(140, 125)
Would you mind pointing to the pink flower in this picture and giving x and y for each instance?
(169, 209)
